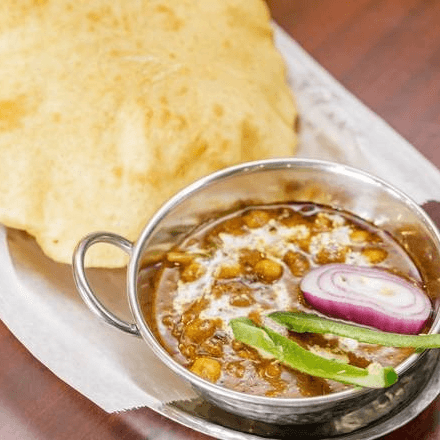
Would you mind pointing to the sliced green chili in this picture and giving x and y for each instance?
(293, 355)
(303, 322)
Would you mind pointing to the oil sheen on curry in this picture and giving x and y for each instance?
(250, 263)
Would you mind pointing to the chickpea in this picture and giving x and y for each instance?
(192, 272)
(250, 257)
(359, 236)
(256, 218)
(268, 271)
(228, 271)
(322, 222)
(255, 315)
(232, 226)
(293, 219)
(336, 255)
(298, 264)
(242, 299)
(374, 255)
(199, 330)
(207, 368)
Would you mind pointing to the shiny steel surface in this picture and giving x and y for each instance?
(83, 286)
(374, 420)
(278, 180)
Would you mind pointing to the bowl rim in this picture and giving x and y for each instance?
(248, 168)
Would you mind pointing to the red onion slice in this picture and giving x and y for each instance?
(367, 296)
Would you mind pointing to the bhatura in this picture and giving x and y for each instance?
(108, 108)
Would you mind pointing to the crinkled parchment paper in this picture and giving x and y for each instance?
(40, 305)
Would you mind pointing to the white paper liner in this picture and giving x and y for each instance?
(41, 307)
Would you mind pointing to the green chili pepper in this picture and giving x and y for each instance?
(304, 322)
(291, 354)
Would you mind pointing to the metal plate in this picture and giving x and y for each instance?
(376, 419)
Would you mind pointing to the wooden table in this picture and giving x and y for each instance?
(386, 52)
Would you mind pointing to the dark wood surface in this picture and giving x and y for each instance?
(386, 52)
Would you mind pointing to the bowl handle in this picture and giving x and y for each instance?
(83, 286)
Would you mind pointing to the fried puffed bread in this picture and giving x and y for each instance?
(108, 108)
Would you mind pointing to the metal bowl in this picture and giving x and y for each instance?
(272, 181)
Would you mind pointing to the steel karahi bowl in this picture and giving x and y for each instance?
(274, 181)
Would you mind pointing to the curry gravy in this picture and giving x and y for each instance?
(250, 263)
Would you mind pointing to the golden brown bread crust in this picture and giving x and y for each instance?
(109, 108)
